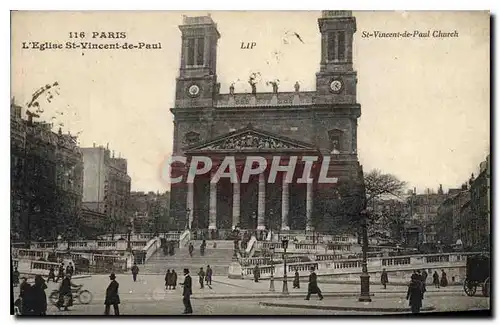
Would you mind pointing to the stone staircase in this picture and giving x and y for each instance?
(218, 258)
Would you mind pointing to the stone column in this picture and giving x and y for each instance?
(309, 204)
(261, 203)
(190, 203)
(236, 203)
(284, 204)
(212, 218)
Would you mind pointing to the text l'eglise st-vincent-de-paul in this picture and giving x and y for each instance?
(42, 46)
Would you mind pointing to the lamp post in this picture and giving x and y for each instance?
(364, 277)
(271, 283)
(285, 283)
(129, 231)
(188, 226)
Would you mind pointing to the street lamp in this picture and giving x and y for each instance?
(271, 283)
(364, 277)
(188, 212)
(129, 231)
(285, 283)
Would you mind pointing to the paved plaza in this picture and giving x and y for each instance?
(148, 296)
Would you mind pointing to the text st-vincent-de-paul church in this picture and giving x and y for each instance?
(209, 122)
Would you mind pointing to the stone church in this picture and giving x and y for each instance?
(209, 122)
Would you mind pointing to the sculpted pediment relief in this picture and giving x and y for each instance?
(251, 140)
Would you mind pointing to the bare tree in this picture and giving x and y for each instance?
(378, 185)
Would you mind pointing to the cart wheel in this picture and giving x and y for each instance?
(54, 297)
(470, 288)
(486, 287)
(85, 297)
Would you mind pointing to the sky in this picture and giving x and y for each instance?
(425, 103)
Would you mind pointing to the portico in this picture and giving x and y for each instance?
(270, 185)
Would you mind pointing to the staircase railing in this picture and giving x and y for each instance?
(252, 245)
(184, 238)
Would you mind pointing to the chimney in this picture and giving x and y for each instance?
(94, 145)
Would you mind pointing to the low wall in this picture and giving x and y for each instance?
(151, 247)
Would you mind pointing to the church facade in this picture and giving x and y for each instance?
(211, 123)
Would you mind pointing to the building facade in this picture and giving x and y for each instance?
(450, 216)
(46, 180)
(150, 211)
(477, 227)
(209, 123)
(106, 186)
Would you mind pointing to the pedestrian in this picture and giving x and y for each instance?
(209, 276)
(70, 269)
(424, 281)
(52, 275)
(384, 279)
(15, 277)
(201, 277)
(296, 280)
(112, 297)
(60, 273)
(135, 271)
(25, 295)
(414, 294)
(444, 279)
(202, 247)
(187, 292)
(174, 279)
(168, 280)
(435, 279)
(191, 248)
(313, 286)
(256, 273)
(39, 298)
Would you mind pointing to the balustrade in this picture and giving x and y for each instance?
(437, 258)
(396, 261)
(347, 264)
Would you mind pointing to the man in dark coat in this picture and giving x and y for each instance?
(60, 273)
(209, 275)
(174, 279)
(444, 279)
(70, 269)
(135, 271)
(25, 295)
(52, 275)
(424, 280)
(168, 280)
(39, 298)
(112, 297)
(435, 279)
(256, 273)
(296, 280)
(15, 277)
(415, 294)
(191, 248)
(384, 279)
(313, 286)
(201, 277)
(187, 292)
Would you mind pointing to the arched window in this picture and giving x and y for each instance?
(336, 137)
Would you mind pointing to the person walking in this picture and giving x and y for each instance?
(384, 279)
(296, 280)
(201, 277)
(209, 276)
(191, 248)
(112, 297)
(168, 280)
(414, 294)
(25, 295)
(256, 273)
(313, 286)
(444, 279)
(435, 279)
(202, 247)
(52, 275)
(60, 273)
(15, 277)
(70, 269)
(187, 292)
(174, 279)
(424, 281)
(135, 271)
(39, 298)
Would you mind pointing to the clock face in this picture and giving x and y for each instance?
(194, 90)
(336, 86)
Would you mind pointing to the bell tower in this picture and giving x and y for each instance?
(336, 80)
(197, 79)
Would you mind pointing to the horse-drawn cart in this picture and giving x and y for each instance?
(478, 274)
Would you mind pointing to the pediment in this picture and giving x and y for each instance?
(251, 140)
